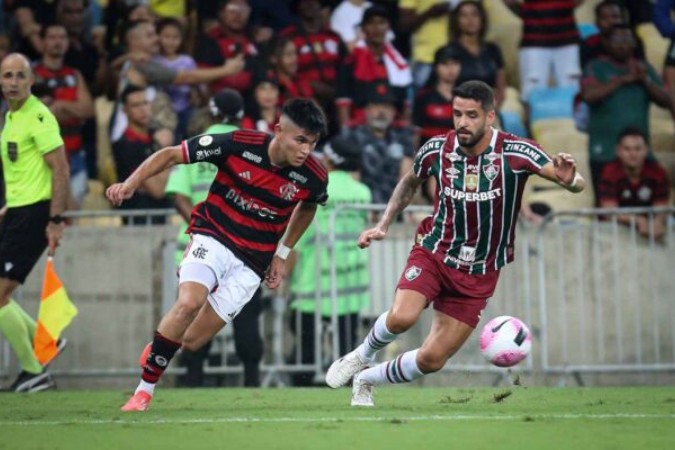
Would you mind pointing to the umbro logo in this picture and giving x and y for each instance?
(246, 175)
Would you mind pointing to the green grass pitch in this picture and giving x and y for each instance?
(404, 418)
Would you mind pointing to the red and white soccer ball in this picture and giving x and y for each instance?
(505, 341)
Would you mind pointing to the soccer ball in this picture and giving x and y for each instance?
(505, 341)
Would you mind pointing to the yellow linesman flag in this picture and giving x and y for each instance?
(56, 312)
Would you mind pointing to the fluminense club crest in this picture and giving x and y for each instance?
(491, 171)
(412, 273)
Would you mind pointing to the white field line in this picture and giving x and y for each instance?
(513, 417)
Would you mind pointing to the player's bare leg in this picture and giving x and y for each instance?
(447, 335)
(205, 326)
(167, 341)
(407, 307)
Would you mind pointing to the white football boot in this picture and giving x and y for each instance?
(362, 393)
(341, 371)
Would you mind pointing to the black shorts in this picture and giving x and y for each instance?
(23, 239)
(670, 56)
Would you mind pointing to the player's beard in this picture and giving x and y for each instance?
(472, 139)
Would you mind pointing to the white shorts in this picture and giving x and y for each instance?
(235, 281)
(536, 64)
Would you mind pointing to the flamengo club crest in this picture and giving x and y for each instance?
(288, 191)
(412, 273)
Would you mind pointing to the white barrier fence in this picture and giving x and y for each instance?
(598, 298)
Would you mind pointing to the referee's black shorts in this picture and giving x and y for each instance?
(23, 238)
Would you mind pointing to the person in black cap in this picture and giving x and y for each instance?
(342, 158)
(387, 146)
(374, 61)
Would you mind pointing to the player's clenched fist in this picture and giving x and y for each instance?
(119, 192)
(372, 234)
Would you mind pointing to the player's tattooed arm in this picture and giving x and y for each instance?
(401, 197)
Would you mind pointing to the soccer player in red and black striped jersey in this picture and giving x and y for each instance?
(632, 180)
(266, 187)
(480, 174)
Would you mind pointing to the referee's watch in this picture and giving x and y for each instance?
(57, 219)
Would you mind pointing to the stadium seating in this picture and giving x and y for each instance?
(587, 29)
(552, 103)
(656, 45)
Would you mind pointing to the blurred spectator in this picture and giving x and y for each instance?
(230, 41)
(346, 21)
(432, 110)
(28, 18)
(264, 110)
(310, 263)
(133, 147)
(189, 185)
(143, 44)
(63, 89)
(663, 19)
(82, 53)
(320, 51)
(372, 63)
(283, 64)
(480, 60)
(632, 180)
(427, 21)
(386, 147)
(171, 56)
(550, 43)
(608, 86)
(273, 14)
(608, 13)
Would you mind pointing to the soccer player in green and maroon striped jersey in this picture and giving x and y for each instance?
(480, 174)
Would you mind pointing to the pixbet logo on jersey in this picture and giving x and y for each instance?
(248, 204)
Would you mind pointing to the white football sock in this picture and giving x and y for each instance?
(378, 338)
(145, 386)
(402, 369)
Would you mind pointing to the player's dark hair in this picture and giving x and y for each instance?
(130, 89)
(631, 131)
(478, 91)
(306, 114)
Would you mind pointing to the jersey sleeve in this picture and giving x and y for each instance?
(212, 148)
(320, 194)
(525, 156)
(661, 185)
(425, 158)
(179, 181)
(45, 132)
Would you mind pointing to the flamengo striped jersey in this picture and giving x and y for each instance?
(250, 201)
(477, 200)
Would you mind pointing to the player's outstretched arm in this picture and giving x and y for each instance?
(400, 199)
(563, 171)
(154, 164)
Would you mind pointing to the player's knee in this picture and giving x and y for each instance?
(188, 304)
(399, 322)
(429, 362)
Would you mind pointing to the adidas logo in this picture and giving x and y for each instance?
(246, 175)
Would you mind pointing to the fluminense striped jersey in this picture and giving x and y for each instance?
(477, 200)
(250, 201)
